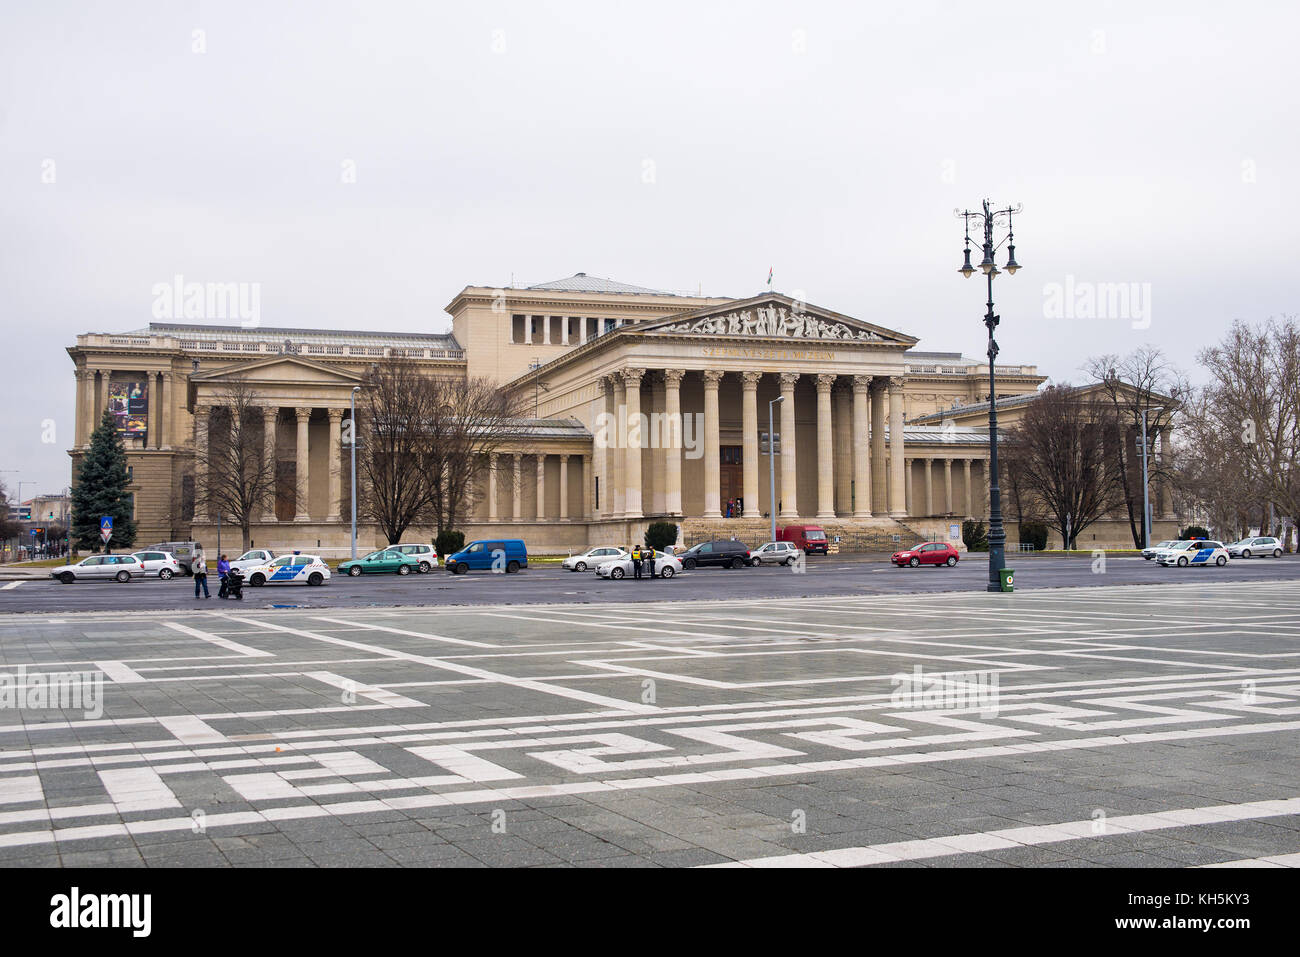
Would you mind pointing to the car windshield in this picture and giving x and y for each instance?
(815, 535)
(917, 547)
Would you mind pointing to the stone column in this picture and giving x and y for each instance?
(564, 477)
(842, 400)
(302, 479)
(789, 494)
(332, 513)
(658, 449)
(947, 486)
(517, 510)
(492, 487)
(270, 416)
(85, 405)
(712, 446)
(173, 389)
(564, 330)
(546, 330)
(541, 481)
(151, 434)
(896, 447)
(202, 418)
(970, 502)
(825, 449)
(907, 485)
(582, 331)
(749, 450)
(604, 437)
(618, 479)
(586, 485)
(528, 330)
(879, 476)
(929, 484)
(104, 376)
(864, 448)
(632, 478)
(673, 442)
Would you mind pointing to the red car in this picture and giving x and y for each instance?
(927, 553)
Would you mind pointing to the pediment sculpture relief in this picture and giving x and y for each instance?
(771, 321)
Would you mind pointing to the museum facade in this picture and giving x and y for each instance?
(645, 405)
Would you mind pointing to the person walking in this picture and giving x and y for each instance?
(200, 569)
(223, 570)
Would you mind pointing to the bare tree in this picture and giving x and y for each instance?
(1143, 381)
(239, 480)
(1062, 451)
(1212, 470)
(396, 459)
(473, 419)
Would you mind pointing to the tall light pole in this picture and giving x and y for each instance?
(988, 219)
(352, 426)
(1146, 506)
(771, 463)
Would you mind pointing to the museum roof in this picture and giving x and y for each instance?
(207, 333)
(548, 428)
(581, 282)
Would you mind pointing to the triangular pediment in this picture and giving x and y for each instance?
(773, 316)
(279, 370)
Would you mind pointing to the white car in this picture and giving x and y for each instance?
(779, 553)
(1263, 546)
(425, 554)
(1195, 552)
(665, 566)
(290, 570)
(117, 567)
(1150, 553)
(160, 564)
(253, 558)
(593, 557)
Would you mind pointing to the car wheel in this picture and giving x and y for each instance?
(667, 571)
(403, 569)
(1182, 562)
(315, 578)
(425, 568)
(458, 568)
(580, 567)
(354, 571)
(67, 578)
(688, 564)
(258, 580)
(1277, 553)
(616, 573)
(1245, 553)
(165, 574)
(952, 560)
(1221, 560)
(914, 562)
(737, 563)
(512, 567)
(123, 576)
(755, 562)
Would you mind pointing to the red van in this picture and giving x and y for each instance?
(811, 538)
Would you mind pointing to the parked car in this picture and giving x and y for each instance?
(1263, 546)
(724, 552)
(103, 567)
(1150, 553)
(424, 555)
(253, 557)
(811, 538)
(160, 564)
(183, 552)
(290, 570)
(593, 557)
(666, 566)
(1197, 551)
(927, 553)
(506, 554)
(386, 561)
(779, 553)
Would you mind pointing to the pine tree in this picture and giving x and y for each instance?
(101, 489)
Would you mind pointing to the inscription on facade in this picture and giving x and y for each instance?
(760, 352)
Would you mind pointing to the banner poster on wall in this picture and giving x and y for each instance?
(128, 400)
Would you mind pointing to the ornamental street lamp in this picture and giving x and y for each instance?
(990, 218)
(1146, 483)
(771, 462)
(352, 426)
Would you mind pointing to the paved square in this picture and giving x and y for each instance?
(1123, 726)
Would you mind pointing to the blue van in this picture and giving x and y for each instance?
(507, 554)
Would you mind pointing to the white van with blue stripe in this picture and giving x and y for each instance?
(1197, 551)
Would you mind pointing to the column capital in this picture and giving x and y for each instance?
(749, 380)
(336, 415)
(563, 456)
(517, 456)
(862, 383)
(632, 377)
(896, 382)
(270, 410)
(492, 458)
(712, 377)
(788, 379)
(302, 412)
(673, 377)
(878, 383)
(203, 410)
(825, 380)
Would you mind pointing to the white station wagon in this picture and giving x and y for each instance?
(1194, 552)
(594, 557)
(102, 567)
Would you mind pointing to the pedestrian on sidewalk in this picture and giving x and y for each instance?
(223, 569)
(200, 569)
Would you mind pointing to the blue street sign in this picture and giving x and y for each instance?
(32, 532)
(106, 523)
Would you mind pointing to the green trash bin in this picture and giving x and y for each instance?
(1007, 579)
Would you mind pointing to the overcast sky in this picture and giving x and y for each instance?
(672, 145)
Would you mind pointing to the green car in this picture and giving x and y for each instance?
(385, 560)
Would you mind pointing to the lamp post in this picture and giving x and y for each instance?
(1146, 506)
(989, 218)
(771, 463)
(352, 442)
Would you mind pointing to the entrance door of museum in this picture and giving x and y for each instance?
(732, 474)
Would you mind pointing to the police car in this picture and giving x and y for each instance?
(1194, 552)
(290, 570)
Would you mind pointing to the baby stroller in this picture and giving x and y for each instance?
(235, 584)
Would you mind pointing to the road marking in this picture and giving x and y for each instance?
(189, 729)
(138, 789)
(19, 790)
(378, 695)
(218, 640)
(120, 674)
(402, 631)
(10, 585)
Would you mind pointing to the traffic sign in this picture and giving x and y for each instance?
(105, 523)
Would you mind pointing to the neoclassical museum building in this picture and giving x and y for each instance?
(645, 406)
